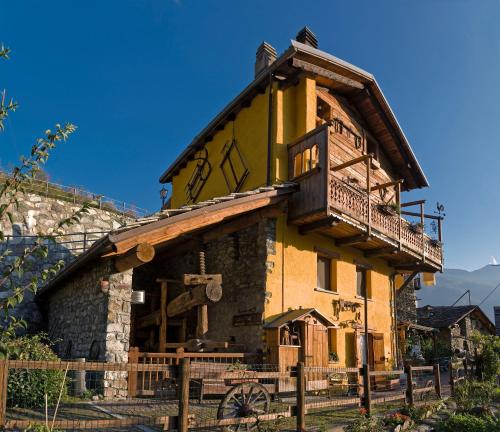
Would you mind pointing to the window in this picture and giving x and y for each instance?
(233, 166)
(332, 345)
(324, 279)
(306, 160)
(361, 281)
(314, 156)
(297, 165)
(372, 147)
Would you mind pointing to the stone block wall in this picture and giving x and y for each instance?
(40, 214)
(241, 258)
(406, 309)
(88, 316)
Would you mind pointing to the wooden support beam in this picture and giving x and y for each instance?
(198, 345)
(328, 222)
(325, 73)
(152, 319)
(135, 257)
(347, 241)
(386, 185)
(373, 253)
(426, 215)
(197, 279)
(408, 280)
(352, 162)
(162, 337)
(412, 203)
(200, 294)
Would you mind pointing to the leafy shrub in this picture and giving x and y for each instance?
(473, 394)
(488, 358)
(395, 419)
(27, 388)
(365, 424)
(468, 423)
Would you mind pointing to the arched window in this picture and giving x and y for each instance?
(314, 156)
(306, 160)
(297, 165)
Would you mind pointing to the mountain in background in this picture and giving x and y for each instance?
(452, 283)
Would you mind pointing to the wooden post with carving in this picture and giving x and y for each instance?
(4, 376)
(301, 398)
(409, 385)
(183, 395)
(133, 357)
(437, 380)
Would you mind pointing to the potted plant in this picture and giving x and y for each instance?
(333, 357)
(390, 209)
(436, 243)
(417, 227)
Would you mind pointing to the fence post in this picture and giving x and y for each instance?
(452, 382)
(80, 385)
(437, 380)
(4, 376)
(183, 395)
(409, 385)
(133, 357)
(301, 397)
(367, 389)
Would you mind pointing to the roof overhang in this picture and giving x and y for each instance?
(359, 84)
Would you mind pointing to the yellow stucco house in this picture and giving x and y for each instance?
(285, 235)
(313, 120)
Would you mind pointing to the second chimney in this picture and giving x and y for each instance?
(265, 56)
(306, 36)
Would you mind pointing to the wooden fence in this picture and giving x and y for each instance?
(298, 391)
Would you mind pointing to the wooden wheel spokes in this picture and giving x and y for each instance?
(249, 399)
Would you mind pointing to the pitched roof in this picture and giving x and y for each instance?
(372, 102)
(296, 314)
(167, 225)
(446, 316)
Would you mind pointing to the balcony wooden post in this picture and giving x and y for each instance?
(440, 235)
(423, 228)
(368, 193)
(398, 201)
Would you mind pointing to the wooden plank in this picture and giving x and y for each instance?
(133, 358)
(4, 377)
(325, 73)
(333, 403)
(386, 185)
(169, 421)
(197, 279)
(163, 317)
(385, 373)
(347, 241)
(301, 398)
(90, 366)
(184, 395)
(352, 162)
(423, 389)
(412, 203)
(423, 368)
(215, 423)
(327, 222)
(171, 228)
(152, 319)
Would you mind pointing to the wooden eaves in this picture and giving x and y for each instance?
(122, 246)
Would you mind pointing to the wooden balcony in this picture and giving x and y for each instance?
(355, 214)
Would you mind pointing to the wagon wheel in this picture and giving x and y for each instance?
(248, 399)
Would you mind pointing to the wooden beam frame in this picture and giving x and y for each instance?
(386, 185)
(408, 280)
(380, 252)
(426, 215)
(327, 222)
(325, 73)
(352, 162)
(347, 241)
(135, 257)
(412, 203)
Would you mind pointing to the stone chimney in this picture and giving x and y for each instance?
(265, 56)
(307, 37)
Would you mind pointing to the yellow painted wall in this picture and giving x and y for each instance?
(294, 114)
(292, 281)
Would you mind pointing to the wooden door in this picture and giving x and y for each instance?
(377, 353)
(315, 343)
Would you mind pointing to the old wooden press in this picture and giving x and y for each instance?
(200, 290)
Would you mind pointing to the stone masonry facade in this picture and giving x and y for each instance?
(241, 258)
(89, 317)
(39, 214)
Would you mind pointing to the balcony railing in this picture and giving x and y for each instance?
(324, 193)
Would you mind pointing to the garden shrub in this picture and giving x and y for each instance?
(27, 388)
(473, 394)
(468, 423)
(365, 424)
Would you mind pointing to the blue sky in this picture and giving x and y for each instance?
(140, 78)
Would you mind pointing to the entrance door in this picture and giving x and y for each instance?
(315, 344)
(377, 353)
